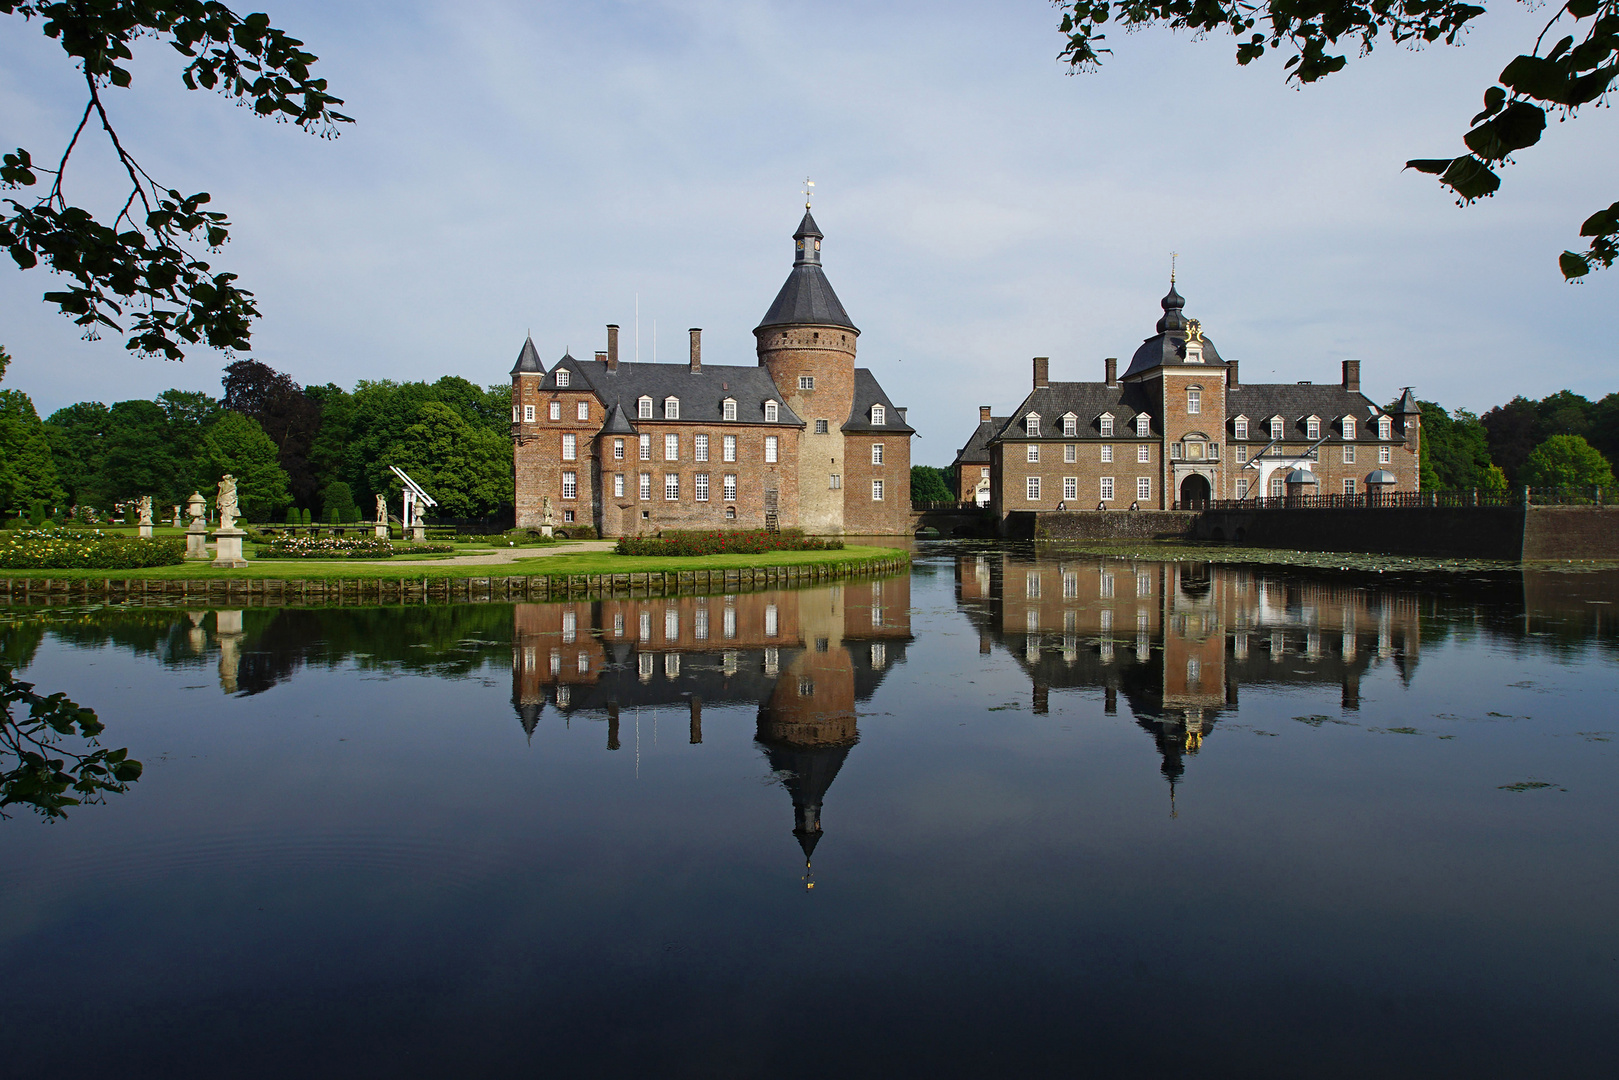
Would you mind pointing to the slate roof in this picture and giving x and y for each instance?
(807, 298)
(1406, 405)
(701, 393)
(1167, 348)
(976, 452)
(867, 392)
(528, 360)
(1087, 401)
(1294, 403)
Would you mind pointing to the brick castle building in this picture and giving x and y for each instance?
(1179, 428)
(804, 438)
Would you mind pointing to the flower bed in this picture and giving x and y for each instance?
(345, 547)
(73, 549)
(723, 542)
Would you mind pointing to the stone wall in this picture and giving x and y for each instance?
(1483, 532)
(1114, 525)
(1571, 532)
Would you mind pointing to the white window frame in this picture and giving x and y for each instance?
(1194, 401)
(728, 487)
(876, 453)
(1349, 427)
(1031, 488)
(1143, 425)
(1312, 427)
(1277, 428)
(570, 447)
(1070, 425)
(1070, 487)
(1385, 428)
(671, 487)
(1031, 425)
(583, 410)
(644, 487)
(1242, 488)
(1143, 453)
(1106, 488)
(1349, 455)
(1349, 485)
(822, 427)
(645, 447)
(699, 487)
(879, 416)
(772, 412)
(618, 485)
(1384, 455)
(1143, 488)
(570, 485)
(876, 491)
(728, 408)
(671, 408)
(618, 449)
(699, 447)
(562, 377)
(671, 446)
(1239, 428)
(834, 482)
(1105, 424)
(1032, 453)
(556, 410)
(772, 449)
(806, 382)
(1070, 453)
(1278, 485)
(528, 414)
(1107, 452)
(643, 407)
(728, 448)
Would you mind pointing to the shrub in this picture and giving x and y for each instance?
(293, 517)
(59, 549)
(36, 513)
(724, 542)
(305, 518)
(327, 547)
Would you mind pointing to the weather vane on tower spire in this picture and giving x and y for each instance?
(808, 186)
(1173, 255)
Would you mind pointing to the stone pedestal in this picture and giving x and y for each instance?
(197, 540)
(418, 534)
(382, 532)
(545, 530)
(146, 532)
(228, 549)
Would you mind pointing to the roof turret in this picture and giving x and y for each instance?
(1174, 317)
(1407, 405)
(1167, 348)
(807, 298)
(528, 360)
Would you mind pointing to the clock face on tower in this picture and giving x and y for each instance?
(800, 245)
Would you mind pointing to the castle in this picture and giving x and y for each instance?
(1180, 429)
(803, 439)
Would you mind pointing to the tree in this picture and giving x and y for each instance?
(1511, 429)
(77, 436)
(1455, 450)
(238, 446)
(141, 258)
(138, 456)
(338, 498)
(1566, 461)
(929, 485)
(1572, 63)
(289, 416)
(467, 469)
(27, 471)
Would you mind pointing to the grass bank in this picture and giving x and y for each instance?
(1188, 551)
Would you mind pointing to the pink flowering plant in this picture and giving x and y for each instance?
(724, 542)
(85, 549)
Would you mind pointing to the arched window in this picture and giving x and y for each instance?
(772, 412)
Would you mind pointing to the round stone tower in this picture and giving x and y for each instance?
(807, 343)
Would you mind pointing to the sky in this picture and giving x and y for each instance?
(549, 168)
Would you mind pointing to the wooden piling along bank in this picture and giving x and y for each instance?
(256, 592)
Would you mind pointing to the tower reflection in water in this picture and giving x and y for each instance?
(1179, 639)
(806, 658)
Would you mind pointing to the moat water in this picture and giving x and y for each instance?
(1007, 815)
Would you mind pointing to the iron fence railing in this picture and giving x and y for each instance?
(1584, 496)
(968, 505)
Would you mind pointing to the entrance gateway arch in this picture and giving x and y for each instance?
(1195, 491)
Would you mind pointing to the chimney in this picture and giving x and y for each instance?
(1042, 372)
(612, 346)
(1231, 375)
(696, 349)
(1351, 374)
(983, 414)
(1112, 364)
(601, 356)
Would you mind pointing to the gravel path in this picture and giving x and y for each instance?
(500, 557)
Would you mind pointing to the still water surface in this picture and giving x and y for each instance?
(1006, 815)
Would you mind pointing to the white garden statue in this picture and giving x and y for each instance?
(228, 509)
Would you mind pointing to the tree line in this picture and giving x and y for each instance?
(318, 448)
(1562, 440)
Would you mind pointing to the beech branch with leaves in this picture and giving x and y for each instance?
(141, 266)
(1573, 62)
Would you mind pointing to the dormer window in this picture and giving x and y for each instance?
(1312, 427)
(1385, 428)
(728, 408)
(1070, 425)
(1349, 427)
(562, 376)
(1105, 424)
(1239, 427)
(879, 415)
(772, 411)
(643, 408)
(1276, 427)
(671, 408)
(1031, 425)
(1143, 425)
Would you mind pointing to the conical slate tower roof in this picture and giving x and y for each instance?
(528, 361)
(807, 298)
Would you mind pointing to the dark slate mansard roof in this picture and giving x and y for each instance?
(1087, 401)
(866, 394)
(976, 452)
(702, 393)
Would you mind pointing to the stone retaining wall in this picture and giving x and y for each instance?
(1115, 525)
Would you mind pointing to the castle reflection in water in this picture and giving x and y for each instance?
(806, 658)
(1179, 639)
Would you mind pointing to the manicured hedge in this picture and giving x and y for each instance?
(724, 542)
(72, 549)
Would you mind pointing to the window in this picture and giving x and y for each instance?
(1385, 428)
(1277, 487)
(671, 408)
(562, 376)
(1031, 425)
(728, 408)
(1349, 427)
(699, 487)
(618, 449)
(1070, 453)
(771, 443)
(1194, 401)
(770, 631)
(516, 412)
(1032, 489)
(567, 516)
(1349, 485)
(1143, 453)
(583, 410)
(646, 448)
(646, 485)
(699, 447)
(1070, 426)
(1312, 428)
(643, 408)
(570, 447)
(835, 481)
(618, 485)
(1242, 489)
(671, 487)
(771, 412)
(728, 487)
(806, 382)
(1107, 488)
(1383, 455)
(570, 485)
(1033, 452)
(1175, 450)
(1143, 488)
(728, 448)
(876, 491)
(820, 427)
(1070, 487)
(1276, 427)
(1107, 452)
(1240, 427)
(876, 453)
(528, 414)
(671, 448)
(1276, 451)
(1349, 455)
(556, 410)
(730, 513)
(1143, 425)
(984, 473)
(879, 415)
(1107, 427)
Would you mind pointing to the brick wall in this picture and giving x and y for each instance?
(825, 354)
(1010, 460)
(631, 514)
(863, 515)
(537, 452)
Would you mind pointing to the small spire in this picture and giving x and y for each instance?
(1173, 255)
(809, 186)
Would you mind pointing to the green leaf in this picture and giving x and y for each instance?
(1573, 266)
